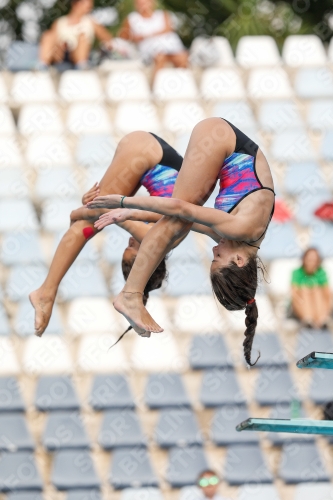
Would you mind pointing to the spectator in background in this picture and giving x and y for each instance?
(153, 33)
(71, 37)
(311, 297)
(207, 486)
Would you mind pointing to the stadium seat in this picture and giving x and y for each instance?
(256, 51)
(22, 56)
(209, 351)
(238, 113)
(77, 86)
(165, 390)
(4, 323)
(7, 124)
(185, 464)
(280, 276)
(121, 428)
(49, 356)
(281, 438)
(3, 90)
(10, 395)
(157, 308)
(14, 183)
(197, 314)
(111, 392)
(88, 118)
(56, 393)
(68, 472)
(303, 50)
(223, 428)
(321, 238)
(309, 340)
(92, 315)
(275, 386)
(302, 464)
(305, 207)
(258, 492)
(16, 215)
(141, 493)
(131, 468)
(10, 154)
(181, 117)
(84, 279)
(177, 427)
(21, 247)
(84, 495)
(127, 86)
(117, 281)
(320, 391)
(115, 242)
(95, 151)
(275, 116)
(269, 84)
(21, 468)
(304, 177)
(61, 182)
(64, 430)
(309, 491)
(40, 118)
(320, 114)
(220, 46)
(132, 116)
(181, 143)
(94, 354)
(25, 316)
(30, 87)
(327, 148)
(23, 279)
(48, 151)
(312, 83)
(158, 353)
(271, 351)
(174, 83)
(190, 493)
(221, 84)
(9, 364)
(246, 464)
(292, 146)
(188, 277)
(267, 321)
(25, 495)
(15, 435)
(220, 388)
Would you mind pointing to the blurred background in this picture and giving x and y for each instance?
(143, 420)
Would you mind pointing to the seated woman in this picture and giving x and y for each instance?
(71, 37)
(311, 296)
(243, 209)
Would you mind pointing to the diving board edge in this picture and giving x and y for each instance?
(322, 360)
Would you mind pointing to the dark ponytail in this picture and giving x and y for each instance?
(235, 288)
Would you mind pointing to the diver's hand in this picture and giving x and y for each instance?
(91, 194)
(114, 217)
(110, 201)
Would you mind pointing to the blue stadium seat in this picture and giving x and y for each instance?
(22, 56)
(245, 464)
(23, 279)
(64, 430)
(25, 316)
(165, 390)
(88, 253)
(84, 279)
(13, 183)
(21, 247)
(302, 463)
(111, 392)
(4, 323)
(304, 178)
(321, 238)
(279, 115)
(141, 493)
(327, 147)
(25, 495)
(14, 433)
(281, 438)
(219, 388)
(280, 242)
(309, 340)
(56, 393)
(61, 182)
(116, 240)
(185, 464)
(131, 468)
(73, 470)
(223, 428)
(271, 350)
(238, 113)
(187, 277)
(209, 351)
(121, 428)
(84, 495)
(320, 391)
(16, 214)
(18, 472)
(95, 150)
(320, 114)
(311, 83)
(187, 251)
(306, 205)
(275, 386)
(292, 145)
(10, 395)
(177, 427)
(56, 213)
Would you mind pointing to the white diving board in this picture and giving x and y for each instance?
(317, 360)
(295, 426)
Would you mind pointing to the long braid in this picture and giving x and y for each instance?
(251, 317)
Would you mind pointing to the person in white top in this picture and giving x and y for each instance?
(207, 488)
(72, 35)
(153, 33)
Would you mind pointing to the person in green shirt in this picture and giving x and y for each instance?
(311, 296)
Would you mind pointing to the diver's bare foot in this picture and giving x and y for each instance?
(43, 309)
(131, 307)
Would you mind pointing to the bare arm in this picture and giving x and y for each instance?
(101, 33)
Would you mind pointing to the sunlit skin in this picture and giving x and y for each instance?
(211, 490)
(228, 251)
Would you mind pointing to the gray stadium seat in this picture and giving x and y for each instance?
(21, 247)
(131, 468)
(177, 427)
(25, 316)
(280, 242)
(141, 494)
(4, 323)
(84, 495)
(165, 390)
(292, 145)
(280, 438)
(18, 472)
(16, 214)
(121, 428)
(23, 279)
(61, 182)
(25, 495)
(327, 146)
(279, 115)
(306, 205)
(246, 464)
(10, 395)
(209, 351)
(304, 178)
(223, 428)
(258, 492)
(73, 470)
(311, 83)
(56, 393)
(14, 433)
(56, 212)
(185, 464)
(116, 240)
(187, 277)
(95, 150)
(302, 463)
(64, 430)
(219, 388)
(237, 112)
(22, 56)
(271, 350)
(13, 183)
(320, 114)
(309, 340)
(320, 391)
(111, 392)
(84, 279)
(311, 491)
(322, 238)
(275, 386)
